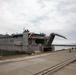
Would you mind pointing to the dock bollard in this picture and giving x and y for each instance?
(32, 53)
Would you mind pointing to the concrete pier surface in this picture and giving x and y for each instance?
(34, 64)
(67, 70)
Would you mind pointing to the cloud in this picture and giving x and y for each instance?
(38, 16)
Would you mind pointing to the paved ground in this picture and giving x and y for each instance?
(67, 70)
(33, 64)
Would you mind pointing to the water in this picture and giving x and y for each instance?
(61, 47)
(8, 53)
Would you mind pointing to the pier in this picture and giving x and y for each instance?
(31, 65)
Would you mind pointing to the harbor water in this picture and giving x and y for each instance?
(62, 47)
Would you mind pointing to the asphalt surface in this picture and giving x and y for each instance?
(33, 64)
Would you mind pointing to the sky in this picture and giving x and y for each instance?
(40, 16)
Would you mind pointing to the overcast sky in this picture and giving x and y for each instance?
(45, 16)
